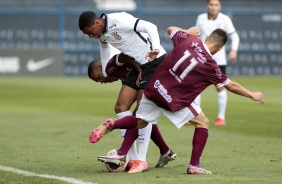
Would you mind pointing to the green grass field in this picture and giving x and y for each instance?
(45, 124)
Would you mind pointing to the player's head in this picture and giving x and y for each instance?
(216, 40)
(213, 7)
(91, 25)
(95, 71)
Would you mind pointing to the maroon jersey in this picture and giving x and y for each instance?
(185, 72)
(116, 69)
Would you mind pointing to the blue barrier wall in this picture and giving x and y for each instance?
(54, 25)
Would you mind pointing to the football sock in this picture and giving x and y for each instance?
(144, 135)
(128, 122)
(158, 139)
(199, 142)
(129, 137)
(222, 103)
(132, 152)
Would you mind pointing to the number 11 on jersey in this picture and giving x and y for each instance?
(193, 63)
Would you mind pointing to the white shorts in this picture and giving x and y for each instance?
(150, 112)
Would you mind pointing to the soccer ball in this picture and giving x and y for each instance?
(111, 167)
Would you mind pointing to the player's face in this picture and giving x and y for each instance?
(94, 31)
(213, 7)
(97, 75)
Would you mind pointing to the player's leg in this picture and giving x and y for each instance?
(127, 96)
(200, 137)
(198, 119)
(166, 154)
(222, 102)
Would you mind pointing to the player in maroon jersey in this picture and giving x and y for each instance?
(117, 68)
(186, 71)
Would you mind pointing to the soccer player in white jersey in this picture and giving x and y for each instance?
(207, 22)
(138, 39)
(185, 72)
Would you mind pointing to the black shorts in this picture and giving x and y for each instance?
(223, 68)
(148, 70)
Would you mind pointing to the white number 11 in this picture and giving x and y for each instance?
(193, 63)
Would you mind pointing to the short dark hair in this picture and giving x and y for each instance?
(209, 1)
(219, 37)
(92, 66)
(86, 19)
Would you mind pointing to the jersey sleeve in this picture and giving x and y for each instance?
(231, 31)
(178, 36)
(229, 26)
(127, 21)
(218, 78)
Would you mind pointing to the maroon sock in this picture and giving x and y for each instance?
(158, 139)
(199, 142)
(127, 122)
(129, 137)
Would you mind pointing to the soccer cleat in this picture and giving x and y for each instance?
(165, 158)
(197, 170)
(219, 122)
(130, 164)
(117, 159)
(101, 130)
(139, 166)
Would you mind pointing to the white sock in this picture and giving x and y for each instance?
(144, 136)
(132, 152)
(198, 100)
(222, 103)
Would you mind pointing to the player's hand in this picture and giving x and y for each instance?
(152, 54)
(138, 80)
(258, 96)
(194, 31)
(232, 55)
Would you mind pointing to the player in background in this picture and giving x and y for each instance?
(206, 23)
(118, 68)
(138, 39)
(185, 72)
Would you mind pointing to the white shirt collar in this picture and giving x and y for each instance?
(207, 49)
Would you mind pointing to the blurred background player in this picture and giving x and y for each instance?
(206, 23)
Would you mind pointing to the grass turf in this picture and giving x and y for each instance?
(45, 124)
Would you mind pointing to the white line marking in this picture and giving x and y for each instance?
(27, 173)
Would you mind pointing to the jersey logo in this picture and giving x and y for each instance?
(116, 36)
(218, 73)
(112, 26)
(162, 91)
(199, 51)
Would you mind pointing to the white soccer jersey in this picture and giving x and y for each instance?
(206, 26)
(120, 31)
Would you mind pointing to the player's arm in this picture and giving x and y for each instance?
(123, 58)
(234, 37)
(105, 52)
(236, 88)
(152, 30)
(192, 30)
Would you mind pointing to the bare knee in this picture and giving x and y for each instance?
(206, 122)
(201, 121)
(121, 108)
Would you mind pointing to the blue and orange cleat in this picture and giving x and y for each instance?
(197, 169)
